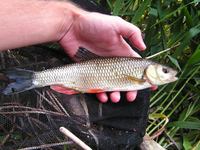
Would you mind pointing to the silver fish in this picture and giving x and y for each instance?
(94, 76)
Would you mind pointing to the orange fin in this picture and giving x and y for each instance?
(64, 90)
(95, 91)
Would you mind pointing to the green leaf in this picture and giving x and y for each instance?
(187, 37)
(109, 4)
(195, 58)
(118, 5)
(188, 17)
(173, 13)
(157, 116)
(174, 61)
(186, 143)
(196, 109)
(153, 12)
(196, 1)
(140, 11)
(185, 124)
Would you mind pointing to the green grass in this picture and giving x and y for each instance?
(174, 110)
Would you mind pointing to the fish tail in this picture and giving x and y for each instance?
(17, 80)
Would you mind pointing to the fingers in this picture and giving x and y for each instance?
(132, 33)
(136, 39)
(115, 96)
(102, 97)
(131, 96)
(154, 87)
(130, 51)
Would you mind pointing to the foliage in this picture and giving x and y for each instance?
(173, 24)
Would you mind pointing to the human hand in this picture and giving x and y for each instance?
(103, 35)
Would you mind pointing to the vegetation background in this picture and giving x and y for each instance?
(172, 29)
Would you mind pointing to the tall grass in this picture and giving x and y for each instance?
(174, 110)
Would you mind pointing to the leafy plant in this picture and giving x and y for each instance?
(173, 24)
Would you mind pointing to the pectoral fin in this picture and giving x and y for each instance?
(135, 80)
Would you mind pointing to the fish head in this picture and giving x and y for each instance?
(158, 74)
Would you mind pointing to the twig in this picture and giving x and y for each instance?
(45, 146)
(161, 130)
(172, 140)
(149, 144)
(7, 137)
(58, 103)
(74, 138)
(166, 50)
(31, 112)
(46, 99)
(28, 110)
(52, 100)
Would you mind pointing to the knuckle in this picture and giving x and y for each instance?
(119, 18)
(137, 30)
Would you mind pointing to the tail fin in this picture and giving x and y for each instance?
(18, 80)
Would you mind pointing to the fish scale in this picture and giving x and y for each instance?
(102, 73)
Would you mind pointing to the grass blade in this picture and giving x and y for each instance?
(185, 124)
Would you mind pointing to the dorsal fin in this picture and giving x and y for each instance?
(83, 54)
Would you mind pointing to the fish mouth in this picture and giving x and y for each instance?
(174, 77)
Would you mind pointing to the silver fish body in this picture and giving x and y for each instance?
(107, 74)
(94, 76)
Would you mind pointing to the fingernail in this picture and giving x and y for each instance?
(143, 46)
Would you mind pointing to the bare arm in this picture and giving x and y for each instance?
(28, 22)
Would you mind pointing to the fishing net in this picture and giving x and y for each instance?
(31, 120)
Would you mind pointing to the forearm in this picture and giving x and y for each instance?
(28, 22)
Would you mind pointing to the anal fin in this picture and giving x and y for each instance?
(95, 91)
(64, 90)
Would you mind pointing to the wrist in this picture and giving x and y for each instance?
(65, 14)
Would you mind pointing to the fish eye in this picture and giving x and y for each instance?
(165, 70)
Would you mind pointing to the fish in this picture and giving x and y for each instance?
(104, 74)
